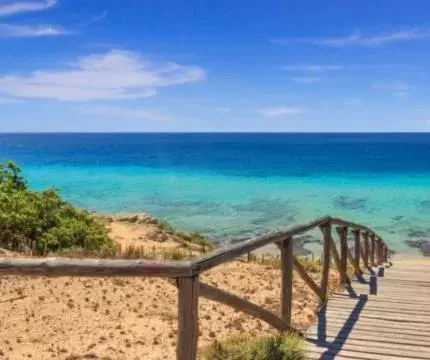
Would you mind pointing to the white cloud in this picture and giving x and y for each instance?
(9, 30)
(358, 39)
(96, 18)
(307, 79)
(280, 111)
(114, 75)
(313, 68)
(13, 8)
(139, 113)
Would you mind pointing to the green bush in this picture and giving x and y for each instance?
(194, 237)
(243, 347)
(197, 238)
(28, 216)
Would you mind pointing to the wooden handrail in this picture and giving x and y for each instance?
(230, 252)
(94, 267)
(372, 249)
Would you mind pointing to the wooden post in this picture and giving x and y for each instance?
(385, 253)
(188, 327)
(366, 248)
(357, 247)
(383, 246)
(379, 251)
(326, 230)
(343, 233)
(372, 249)
(286, 248)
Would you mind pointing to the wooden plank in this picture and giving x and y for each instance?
(389, 344)
(379, 334)
(370, 352)
(93, 267)
(215, 294)
(327, 242)
(379, 315)
(394, 299)
(365, 354)
(188, 328)
(393, 324)
(307, 279)
(286, 279)
(369, 325)
(381, 306)
(232, 251)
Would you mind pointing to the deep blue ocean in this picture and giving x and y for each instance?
(238, 185)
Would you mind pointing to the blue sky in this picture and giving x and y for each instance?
(220, 65)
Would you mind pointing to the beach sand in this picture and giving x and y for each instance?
(133, 318)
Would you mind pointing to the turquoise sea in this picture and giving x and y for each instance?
(232, 186)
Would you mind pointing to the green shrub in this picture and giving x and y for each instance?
(243, 347)
(197, 238)
(28, 216)
(310, 264)
(194, 237)
(167, 227)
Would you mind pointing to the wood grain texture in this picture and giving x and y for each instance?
(343, 233)
(188, 323)
(307, 279)
(357, 248)
(366, 249)
(286, 279)
(390, 325)
(230, 252)
(215, 294)
(93, 267)
(327, 243)
(372, 249)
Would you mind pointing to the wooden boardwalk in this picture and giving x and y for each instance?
(385, 316)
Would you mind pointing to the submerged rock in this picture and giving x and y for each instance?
(104, 219)
(422, 244)
(350, 203)
(138, 218)
(424, 206)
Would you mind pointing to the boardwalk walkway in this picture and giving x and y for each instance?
(381, 317)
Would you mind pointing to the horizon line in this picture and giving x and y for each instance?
(205, 132)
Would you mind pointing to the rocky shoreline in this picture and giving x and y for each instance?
(162, 231)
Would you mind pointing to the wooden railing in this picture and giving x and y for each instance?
(369, 250)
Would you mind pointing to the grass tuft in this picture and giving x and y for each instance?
(245, 347)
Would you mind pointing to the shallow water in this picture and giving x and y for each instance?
(238, 185)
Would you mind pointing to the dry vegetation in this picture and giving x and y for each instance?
(136, 318)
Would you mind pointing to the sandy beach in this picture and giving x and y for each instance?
(133, 318)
